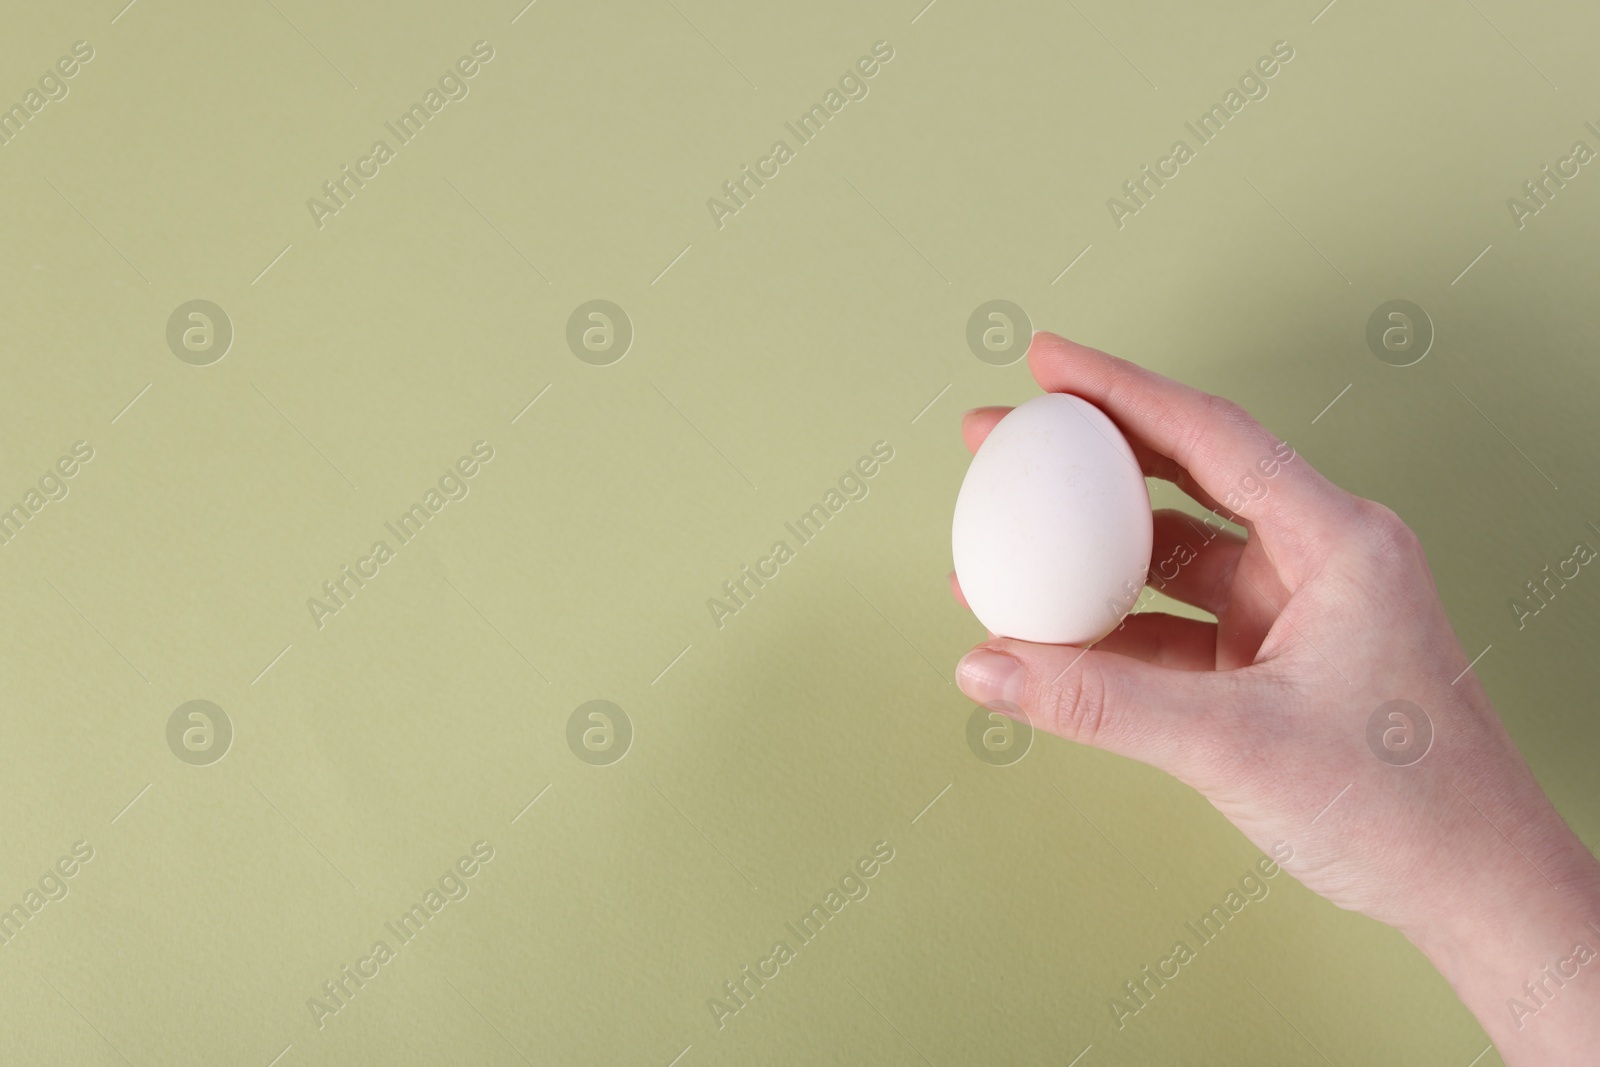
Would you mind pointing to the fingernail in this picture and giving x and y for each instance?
(986, 676)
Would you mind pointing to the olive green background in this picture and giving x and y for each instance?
(769, 354)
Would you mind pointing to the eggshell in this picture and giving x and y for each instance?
(1052, 526)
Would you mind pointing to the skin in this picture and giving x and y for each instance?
(1325, 610)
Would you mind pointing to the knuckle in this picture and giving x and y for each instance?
(1074, 703)
(1195, 435)
(1384, 535)
(1227, 410)
(1224, 423)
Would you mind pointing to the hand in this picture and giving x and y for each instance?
(1325, 611)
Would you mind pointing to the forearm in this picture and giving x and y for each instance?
(1521, 947)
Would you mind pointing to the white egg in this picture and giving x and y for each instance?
(1052, 526)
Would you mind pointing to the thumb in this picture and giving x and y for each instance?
(1158, 715)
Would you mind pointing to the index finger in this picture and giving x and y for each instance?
(1229, 454)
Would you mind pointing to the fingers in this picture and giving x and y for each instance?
(1230, 455)
(1155, 465)
(1164, 640)
(1153, 714)
(955, 590)
(976, 424)
(1193, 561)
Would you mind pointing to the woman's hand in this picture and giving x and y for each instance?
(1283, 713)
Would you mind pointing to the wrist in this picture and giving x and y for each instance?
(1519, 941)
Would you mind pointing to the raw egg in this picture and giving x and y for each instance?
(1052, 526)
